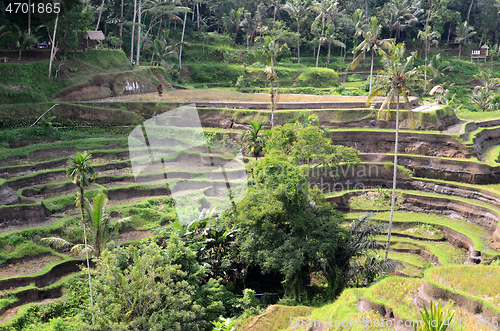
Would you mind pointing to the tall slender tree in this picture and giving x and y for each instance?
(298, 9)
(99, 18)
(464, 34)
(272, 49)
(139, 9)
(81, 172)
(133, 30)
(428, 37)
(370, 44)
(398, 77)
(327, 11)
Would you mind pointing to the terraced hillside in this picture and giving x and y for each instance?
(448, 200)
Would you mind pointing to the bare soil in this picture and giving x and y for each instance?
(29, 266)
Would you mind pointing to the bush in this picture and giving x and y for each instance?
(318, 77)
(354, 78)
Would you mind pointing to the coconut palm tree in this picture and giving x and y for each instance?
(429, 37)
(370, 43)
(398, 77)
(81, 172)
(329, 39)
(464, 33)
(437, 68)
(24, 40)
(405, 14)
(271, 50)
(298, 9)
(101, 228)
(327, 11)
(254, 139)
(99, 18)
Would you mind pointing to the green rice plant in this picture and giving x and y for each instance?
(480, 281)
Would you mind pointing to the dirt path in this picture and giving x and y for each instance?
(454, 129)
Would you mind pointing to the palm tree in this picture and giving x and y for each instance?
(398, 76)
(101, 229)
(298, 9)
(254, 140)
(358, 20)
(162, 49)
(133, 30)
(24, 40)
(326, 11)
(464, 33)
(370, 43)
(405, 14)
(81, 172)
(329, 39)
(437, 68)
(272, 49)
(429, 38)
(494, 51)
(53, 49)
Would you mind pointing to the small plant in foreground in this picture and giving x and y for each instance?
(223, 325)
(434, 320)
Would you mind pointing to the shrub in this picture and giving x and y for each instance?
(354, 78)
(318, 77)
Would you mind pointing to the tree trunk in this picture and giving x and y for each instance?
(394, 178)
(366, 11)
(182, 40)
(120, 32)
(29, 17)
(328, 57)
(317, 55)
(52, 54)
(459, 51)
(133, 30)
(198, 14)
(139, 34)
(371, 74)
(298, 40)
(99, 19)
(86, 251)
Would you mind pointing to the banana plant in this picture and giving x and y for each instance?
(433, 320)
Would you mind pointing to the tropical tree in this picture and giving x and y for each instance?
(493, 52)
(438, 68)
(429, 37)
(370, 44)
(358, 20)
(163, 50)
(102, 229)
(253, 138)
(271, 50)
(24, 40)
(81, 172)
(326, 11)
(99, 18)
(398, 77)
(482, 97)
(331, 38)
(486, 80)
(298, 9)
(405, 14)
(464, 33)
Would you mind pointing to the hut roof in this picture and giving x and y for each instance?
(95, 35)
(437, 89)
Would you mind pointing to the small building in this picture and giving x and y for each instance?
(479, 54)
(89, 40)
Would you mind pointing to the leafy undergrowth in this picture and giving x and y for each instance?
(414, 265)
(479, 281)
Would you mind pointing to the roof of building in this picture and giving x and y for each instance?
(484, 46)
(95, 35)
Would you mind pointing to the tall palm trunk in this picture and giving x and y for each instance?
(394, 178)
(328, 57)
(120, 33)
(371, 73)
(272, 93)
(99, 18)
(133, 30)
(459, 51)
(298, 41)
(182, 40)
(319, 46)
(86, 250)
(138, 34)
(52, 54)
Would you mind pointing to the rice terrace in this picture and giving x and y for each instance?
(271, 165)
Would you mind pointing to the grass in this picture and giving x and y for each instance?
(277, 317)
(479, 282)
(473, 231)
(44, 270)
(84, 144)
(414, 264)
(398, 294)
(479, 116)
(27, 248)
(492, 155)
